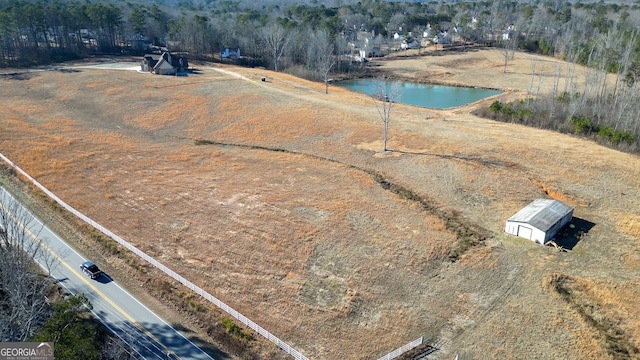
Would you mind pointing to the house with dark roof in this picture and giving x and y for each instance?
(164, 64)
(539, 221)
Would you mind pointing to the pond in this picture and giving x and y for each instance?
(423, 95)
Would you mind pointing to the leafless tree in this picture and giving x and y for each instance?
(322, 55)
(23, 287)
(396, 23)
(534, 66)
(624, 95)
(342, 47)
(626, 53)
(385, 95)
(115, 348)
(508, 50)
(507, 25)
(497, 20)
(556, 79)
(276, 38)
(569, 77)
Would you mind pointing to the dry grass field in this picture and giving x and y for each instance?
(277, 199)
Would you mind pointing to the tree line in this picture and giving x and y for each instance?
(601, 106)
(36, 32)
(602, 37)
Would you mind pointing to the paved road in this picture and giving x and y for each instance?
(145, 331)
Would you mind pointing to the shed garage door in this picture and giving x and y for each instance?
(524, 232)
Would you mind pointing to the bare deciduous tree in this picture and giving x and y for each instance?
(115, 348)
(276, 38)
(23, 288)
(385, 96)
(322, 55)
(507, 52)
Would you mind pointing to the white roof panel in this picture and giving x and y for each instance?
(542, 213)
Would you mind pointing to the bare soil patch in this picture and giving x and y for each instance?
(267, 194)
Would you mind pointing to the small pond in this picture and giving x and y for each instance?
(423, 95)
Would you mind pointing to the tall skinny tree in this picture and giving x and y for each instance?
(276, 38)
(385, 95)
(322, 55)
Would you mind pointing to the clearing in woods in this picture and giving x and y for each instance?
(277, 199)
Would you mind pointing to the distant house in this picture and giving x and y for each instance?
(230, 54)
(427, 31)
(443, 37)
(164, 64)
(360, 56)
(508, 33)
(411, 44)
(540, 220)
(369, 51)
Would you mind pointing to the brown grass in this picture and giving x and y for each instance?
(630, 224)
(277, 199)
(604, 309)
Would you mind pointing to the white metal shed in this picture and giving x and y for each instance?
(540, 220)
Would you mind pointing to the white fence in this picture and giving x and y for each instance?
(399, 351)
(293, 352)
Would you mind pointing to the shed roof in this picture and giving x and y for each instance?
(542, 213)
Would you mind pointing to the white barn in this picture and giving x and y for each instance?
(540, 220)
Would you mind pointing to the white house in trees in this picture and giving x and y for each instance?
(230, 54)
(540, 220)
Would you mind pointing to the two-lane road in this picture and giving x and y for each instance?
(146, 332)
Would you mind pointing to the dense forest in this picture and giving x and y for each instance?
(314, 38)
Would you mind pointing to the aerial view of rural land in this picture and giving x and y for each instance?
(320, 179)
